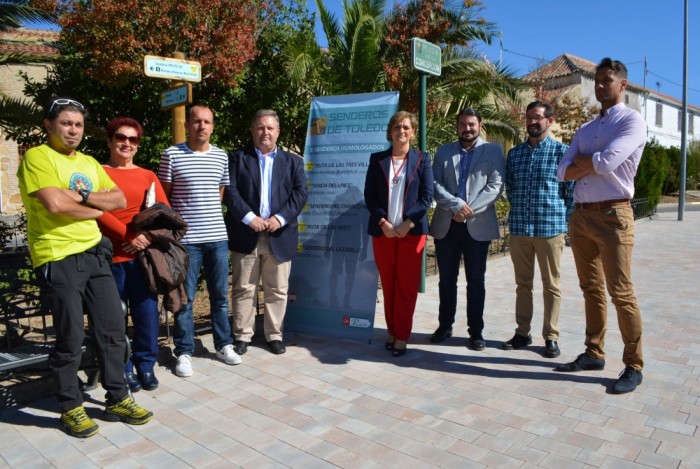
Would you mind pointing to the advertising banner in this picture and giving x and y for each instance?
(333, 283)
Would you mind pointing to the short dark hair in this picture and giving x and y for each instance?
(617, 67)
(469, 111)
(115, 124)
(188, 110)
(56, 105)
(548, 111)
(399, 116)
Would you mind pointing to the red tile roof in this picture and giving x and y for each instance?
(33, 42)
(564, 65)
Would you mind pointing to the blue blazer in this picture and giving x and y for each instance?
(418, 191)
(289, 194)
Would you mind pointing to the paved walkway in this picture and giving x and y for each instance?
(343, 403)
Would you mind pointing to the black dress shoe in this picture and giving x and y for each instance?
(133, 382)
(276, 347)
(476, 343)
(518, 341)
(149, 382)
(441, 334)
(398, 352)
(628, 381)
(551, 349)
(240, 346)
(582, 362)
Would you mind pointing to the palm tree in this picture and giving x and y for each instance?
(350, 63)
(468, 78)
(369, 51)
(13, 14)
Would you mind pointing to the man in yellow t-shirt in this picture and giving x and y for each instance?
(64, 191)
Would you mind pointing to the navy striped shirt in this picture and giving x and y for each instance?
(196, 179)
(539, 203)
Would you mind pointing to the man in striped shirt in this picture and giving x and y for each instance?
(194, 175)
(539, 205)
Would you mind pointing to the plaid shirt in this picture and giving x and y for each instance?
(540, 205)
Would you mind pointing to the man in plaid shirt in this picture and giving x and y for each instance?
(539, 209)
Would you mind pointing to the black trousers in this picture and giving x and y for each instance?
(78, 284)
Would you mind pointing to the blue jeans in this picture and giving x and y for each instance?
(458, 244)
(143, 308)
(214, 256)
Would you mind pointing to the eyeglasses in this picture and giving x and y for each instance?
(65, 102)
(399, 127)
(534, 118)
(121, 138)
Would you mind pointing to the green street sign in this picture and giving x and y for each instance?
(426, 57)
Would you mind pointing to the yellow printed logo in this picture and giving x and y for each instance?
(318, 126)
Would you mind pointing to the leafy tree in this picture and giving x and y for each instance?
(571, 113)
(652, 172)
(115, 35)
(370, 51)
(127, 92)
(673, 177)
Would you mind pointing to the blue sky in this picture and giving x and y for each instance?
(626, 30)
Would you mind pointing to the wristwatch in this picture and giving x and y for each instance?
(84, 193)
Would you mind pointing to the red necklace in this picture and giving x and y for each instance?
(397, 173)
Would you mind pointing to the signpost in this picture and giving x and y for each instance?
(180, 95)
(427, 59)
(179, 70)
(174, 69)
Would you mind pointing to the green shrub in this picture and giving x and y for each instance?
(652, 173)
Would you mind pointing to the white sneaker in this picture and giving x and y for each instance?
(229, 355)
(184, 366)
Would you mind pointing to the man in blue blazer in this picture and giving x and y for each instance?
(469, 175)
(266, 195)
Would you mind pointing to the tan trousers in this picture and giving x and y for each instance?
(602, 242)
(523, 251)
(247, 271)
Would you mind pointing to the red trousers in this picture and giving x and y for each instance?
(399, 262)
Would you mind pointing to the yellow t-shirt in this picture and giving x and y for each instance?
(54, 237)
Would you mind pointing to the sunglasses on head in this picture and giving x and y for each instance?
(121, 138)
(65, 102)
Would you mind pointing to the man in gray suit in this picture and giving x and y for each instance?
(469, 176)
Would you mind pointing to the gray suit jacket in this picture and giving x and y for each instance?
(484, 187)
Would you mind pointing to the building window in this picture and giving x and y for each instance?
(680, 120)
(691, 127)
(659, 114)
(627, 98)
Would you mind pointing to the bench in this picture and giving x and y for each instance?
(20, 305)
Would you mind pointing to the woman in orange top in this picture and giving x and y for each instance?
(124, 135)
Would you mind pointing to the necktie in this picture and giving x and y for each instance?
(464, 160)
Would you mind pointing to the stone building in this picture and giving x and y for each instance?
(574, 76)
(39, 44)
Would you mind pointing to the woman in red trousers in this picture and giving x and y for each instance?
(398, 193)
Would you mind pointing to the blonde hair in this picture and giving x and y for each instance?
(399, 116)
